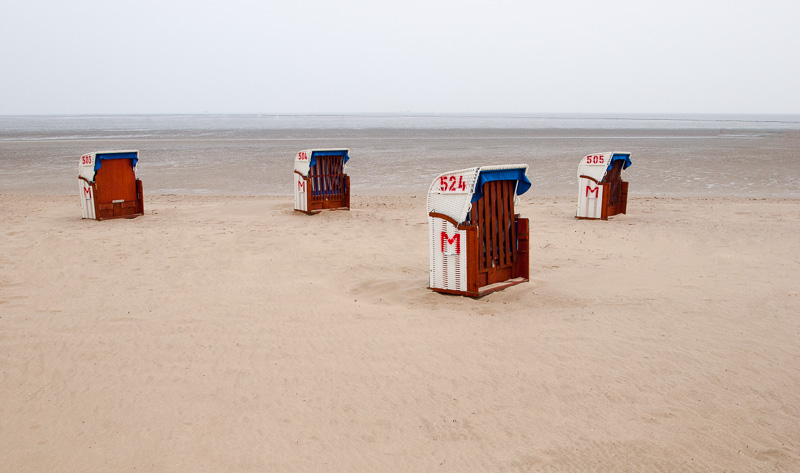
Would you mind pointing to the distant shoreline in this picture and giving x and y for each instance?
(401, 155)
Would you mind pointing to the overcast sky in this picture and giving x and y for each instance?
(350, 56)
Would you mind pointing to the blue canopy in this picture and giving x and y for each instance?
(338, 152)
(625, 158)
(518, 174)
(98, 160)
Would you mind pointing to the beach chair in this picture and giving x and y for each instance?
(108, 185)
(601, 191)
(478, 244)
(320, 181)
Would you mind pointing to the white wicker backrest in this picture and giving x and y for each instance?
(595, 165)
(86, 166)
(451, 192)
(302, 160)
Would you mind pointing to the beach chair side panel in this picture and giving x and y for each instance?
(617, 190)
(300, 192)
(449, 248)
(86, 190)
(623, 200)
(591, 195)
(523, 266)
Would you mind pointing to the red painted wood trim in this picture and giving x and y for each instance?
(139, 197)
(472, 259)
(347, 191)
(457, 293)
(484, 292)
(523, 255)
(624, 198)
(500, 287)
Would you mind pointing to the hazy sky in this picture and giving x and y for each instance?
(295, 56)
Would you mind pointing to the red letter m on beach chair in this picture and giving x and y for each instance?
(87, 192)
(449, 241)
(301, 186)
(595, 191)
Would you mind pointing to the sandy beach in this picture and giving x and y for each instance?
(234, 334)
(222, 331)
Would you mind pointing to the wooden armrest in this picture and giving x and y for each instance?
(444, 217)
(459, 226)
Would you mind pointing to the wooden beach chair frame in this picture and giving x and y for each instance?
(478, 244)
(320, 181)
(601, 191)
(108, 185)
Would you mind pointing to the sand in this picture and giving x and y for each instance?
(233, 334)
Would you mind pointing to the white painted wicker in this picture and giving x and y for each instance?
(595, 168)
(451, 192)
(448, 252)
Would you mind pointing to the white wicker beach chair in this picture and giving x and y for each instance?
(478, 244)
(601, 191)
(108, 185)
(320, 181)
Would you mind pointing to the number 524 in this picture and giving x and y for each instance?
(451, 184)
